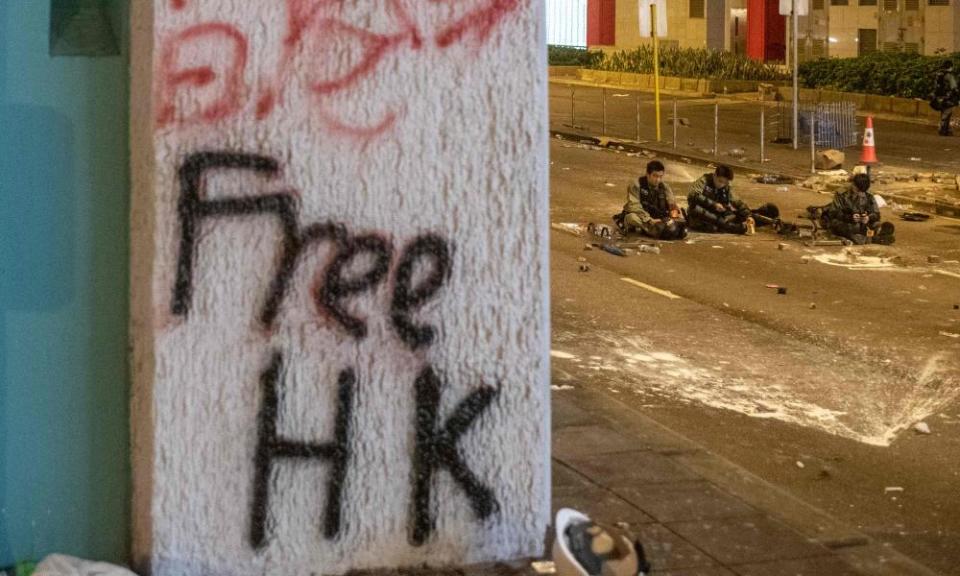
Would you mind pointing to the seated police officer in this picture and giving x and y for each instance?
(651, 208)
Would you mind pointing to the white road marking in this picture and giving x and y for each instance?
(654, 289)
(945, 273)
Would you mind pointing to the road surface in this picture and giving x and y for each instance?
(816, 390)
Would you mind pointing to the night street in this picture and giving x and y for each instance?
(815, 390)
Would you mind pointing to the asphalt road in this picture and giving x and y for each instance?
(816, 390)
(898, 143)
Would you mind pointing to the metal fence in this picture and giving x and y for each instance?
(834, 123)
(567, 23)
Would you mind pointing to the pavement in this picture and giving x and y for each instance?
(813, 393)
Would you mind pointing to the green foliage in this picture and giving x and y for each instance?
(691, 63)
(885, 73)
(568, 56)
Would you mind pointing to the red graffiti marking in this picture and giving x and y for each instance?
(361, 133)
(318, 34)
(179, 4)
(218, 39)
(481, 21)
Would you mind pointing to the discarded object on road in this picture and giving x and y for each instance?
(568, 227)
(813, 305)
(648, 248)
(921, 428)
(801, 464)
(588, 246)
(805, 259)
(60, 565)
(782, 246)
(584, 267)
(889, 489)
(583, 547)
(829, 160)
(915, 216)
(949, 334)
(612, 249)
(544, 567)
(933, 259)
(825, 243)
(782, 290)
(599, 230)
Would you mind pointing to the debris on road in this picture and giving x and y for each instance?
(609, 184)
(915, 216)
(649, 249)
(737, 152)
(561, 387)
(584, 267)
(933, 259)
(782, 246)
(681, 121)
(588, 246)
(921, 428)
(813, 305)
(890, 489)
(800, 464)
(783, 189)
(806, 259)
(829, 160)
(949, 334)
(544, 567)
(612, 249)
(782, 290)
(568, 227)
(914, 159)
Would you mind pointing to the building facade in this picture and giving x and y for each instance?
(833, 28)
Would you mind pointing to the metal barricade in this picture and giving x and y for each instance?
(834, 123)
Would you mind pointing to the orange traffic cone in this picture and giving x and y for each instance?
(869, 153)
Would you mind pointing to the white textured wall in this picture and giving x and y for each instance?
(459, 151)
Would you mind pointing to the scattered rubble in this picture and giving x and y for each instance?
(921, 428)
(890, 489)
(829, 160)
(800, 464)
(933, 260)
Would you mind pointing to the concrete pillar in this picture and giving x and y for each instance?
(339, 284)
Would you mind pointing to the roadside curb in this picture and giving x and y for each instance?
(671, 154)
(855, 548)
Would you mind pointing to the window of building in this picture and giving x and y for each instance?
(839, 2)
(938, 2)
(911, 5)
(866, 41)
(697, 8)
(890, 5)
(868, 2)
(818, 4)
(818, 48)
(82, 28)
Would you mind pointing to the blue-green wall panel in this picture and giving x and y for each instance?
(64, 450)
